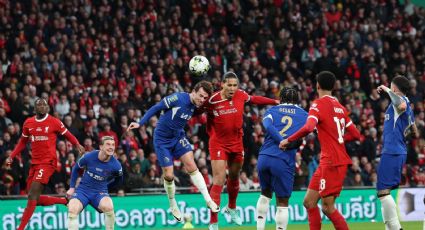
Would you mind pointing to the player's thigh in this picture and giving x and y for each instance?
(163, 153)
(102, 202)
(311, 198)
(219, 171)
(282, 178)
(389, 171)
(331, 180)
(79, 197)
(264, 173)
(75, 206)
(183, 149)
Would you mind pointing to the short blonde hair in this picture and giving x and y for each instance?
(106, 138)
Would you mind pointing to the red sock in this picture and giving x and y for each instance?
(338, 220)
(26, 216)
(50, 200)
(233, 190)
(314, 219)
(215, 194)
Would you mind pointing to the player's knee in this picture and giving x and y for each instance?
(108, 209)
(218, 180)
(327, 209)
(168, 176)
(72, 211)
(309, 204)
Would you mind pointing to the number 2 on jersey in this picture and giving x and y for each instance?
(340, 126)
(287, 120)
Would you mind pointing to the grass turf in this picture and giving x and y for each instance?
(352, 226)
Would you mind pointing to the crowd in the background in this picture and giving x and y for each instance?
(101, 64)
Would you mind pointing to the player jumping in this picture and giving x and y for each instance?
(170, 140)
(42, 130)
(225, 110)
(331, 120)
(399, 121)
(101, 172)
(276, 168)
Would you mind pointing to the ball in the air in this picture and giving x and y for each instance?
(199, 65)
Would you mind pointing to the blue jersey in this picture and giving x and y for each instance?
(97, 174)
(177, 110)
(396, 126)
(281, 121)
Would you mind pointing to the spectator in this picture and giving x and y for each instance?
(245, 183)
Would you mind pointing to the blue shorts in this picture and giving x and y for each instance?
(275, 174)
(389, 171)
(172, 148)
(85, 196)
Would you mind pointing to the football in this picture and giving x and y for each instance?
(199, 65)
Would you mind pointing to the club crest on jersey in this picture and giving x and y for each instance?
(387, 117)
(172, 98)
(166, 159)
(46, 129)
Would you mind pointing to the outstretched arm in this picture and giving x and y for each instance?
(259, 100)
(152, 111)
(306, 129)
(71, 138)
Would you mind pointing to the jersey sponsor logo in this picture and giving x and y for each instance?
(338, 110)
(99, 170)
(314, 107)
(227, 111)
(39, 138)
(185, 116)
(95, 176)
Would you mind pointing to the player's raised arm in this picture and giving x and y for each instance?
(162, 105)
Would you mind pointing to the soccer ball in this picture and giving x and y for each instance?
(199, 65)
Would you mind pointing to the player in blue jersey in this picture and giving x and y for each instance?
(170, 140)
(101, 170)
(276, 167)
(399, 122)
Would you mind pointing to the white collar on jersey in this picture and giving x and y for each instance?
(42, 119)
(215, 102)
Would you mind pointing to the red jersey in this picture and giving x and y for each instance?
(43, 134)
(225, 119)
(332, 119)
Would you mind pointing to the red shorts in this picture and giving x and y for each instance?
(39, 173)
(221, 154)
(328, 180)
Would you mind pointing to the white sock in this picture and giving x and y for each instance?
(281, 218)
(199, 182)
(170, 188)
(72, 221)
(262, 209)
(389, 213)
(109, 220)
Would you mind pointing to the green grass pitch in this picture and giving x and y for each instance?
(352, 226)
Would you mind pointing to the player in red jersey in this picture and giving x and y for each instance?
(224, 125)
(42, 131)
(331, 120)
